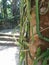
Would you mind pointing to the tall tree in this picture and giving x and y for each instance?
(4, 8)
(14, 7)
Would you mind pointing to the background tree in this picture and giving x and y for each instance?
(4, 8)
(14, 7)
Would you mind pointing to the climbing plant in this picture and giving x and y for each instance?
(25, 36)
(24, 29)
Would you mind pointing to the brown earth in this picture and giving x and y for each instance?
(44, 24)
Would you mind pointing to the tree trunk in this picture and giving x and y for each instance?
(4, 8)
(14, 7)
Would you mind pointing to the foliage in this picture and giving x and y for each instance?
(44, 61)
(6, 9)
(38, 52)
(7, 19)
(43, 57)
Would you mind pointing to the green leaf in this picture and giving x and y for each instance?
(44, 62)
(35, 62)
(38, 52)
(44, 54)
